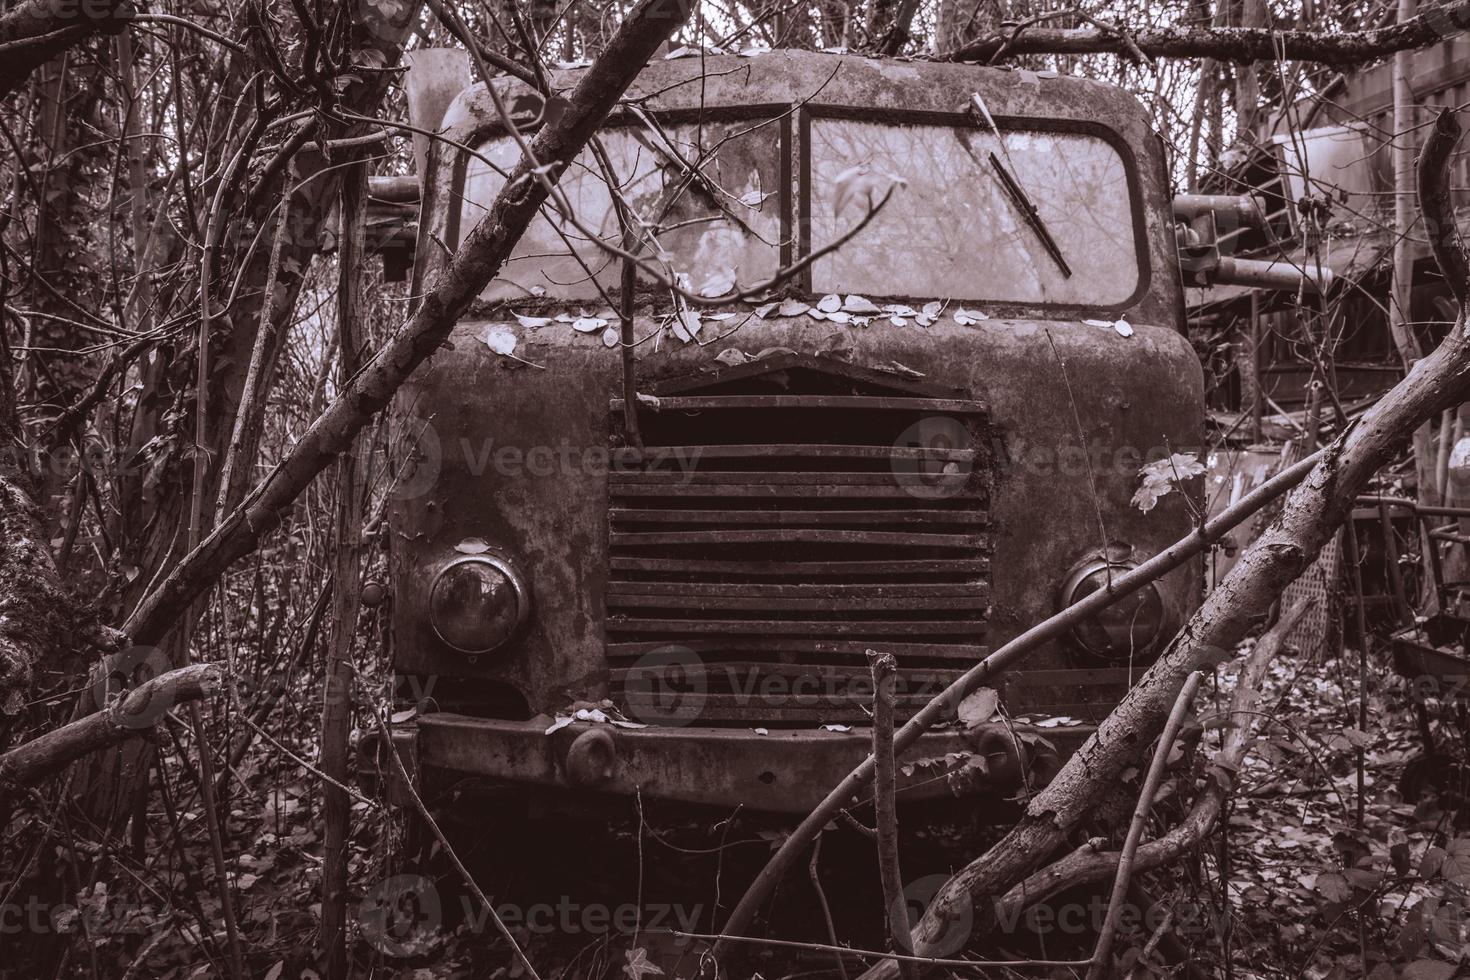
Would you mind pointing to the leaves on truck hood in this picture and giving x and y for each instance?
(499, 338)
(1120, 326)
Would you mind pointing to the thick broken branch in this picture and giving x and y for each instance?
(481, 255)
(1238, 44)
(1090, 864)
(34, 32)
(131, 716)
(948, 700)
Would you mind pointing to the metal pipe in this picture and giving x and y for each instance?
(1424, 510)
(1234, 210)
(1277, 274)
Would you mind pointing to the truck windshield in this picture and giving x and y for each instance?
(712, 223)
(954, 231)
(707, 199)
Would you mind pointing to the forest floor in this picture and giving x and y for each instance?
(1314, 890)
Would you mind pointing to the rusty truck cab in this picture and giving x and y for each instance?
(920, 443)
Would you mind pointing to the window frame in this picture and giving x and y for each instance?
(778, 113)
(793, 122)
(1006, 124)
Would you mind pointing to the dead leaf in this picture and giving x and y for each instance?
(499, 338)
(686, 325)
(719, 283)
(637, 965)
(979, 707)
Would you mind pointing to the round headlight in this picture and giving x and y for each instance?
(1123, 631)
(477, 602)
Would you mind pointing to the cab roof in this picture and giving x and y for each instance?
(820, 79)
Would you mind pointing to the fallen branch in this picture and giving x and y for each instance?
(1089, 864)
(131, 716)
(1017, 649)
(1237, 44)
(895, 905)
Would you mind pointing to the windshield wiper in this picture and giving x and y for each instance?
(1032, 217)
(1016, 192)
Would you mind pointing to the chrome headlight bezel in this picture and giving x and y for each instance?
(519, 588)
(1116, 560)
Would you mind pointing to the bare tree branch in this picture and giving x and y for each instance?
(1238, 44)
(130, 717)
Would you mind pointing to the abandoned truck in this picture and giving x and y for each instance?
(658, 566)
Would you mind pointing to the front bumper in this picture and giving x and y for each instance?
(784, 771)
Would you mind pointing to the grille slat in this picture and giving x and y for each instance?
(799, 627)
(816, 488)
(972, 542)
(779, 647)
(813, 604)
(883, 403)
(801, 451)
(623, 588)
(795, 518)
(850, 525)
(796, 569)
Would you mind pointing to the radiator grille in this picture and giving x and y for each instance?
(780, 521)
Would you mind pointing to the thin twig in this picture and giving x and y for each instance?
(896, 909)
(1140, 820)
